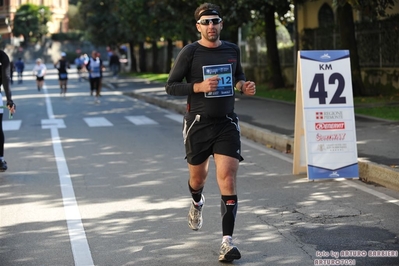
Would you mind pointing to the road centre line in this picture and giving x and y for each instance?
(80, 247)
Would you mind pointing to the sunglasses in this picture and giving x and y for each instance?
(207, 21)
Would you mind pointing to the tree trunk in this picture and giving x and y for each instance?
(142, 58)
(348, 42)
(273, 59)
(169, 56)
(133, 66)
(233, 37)
(155, 65)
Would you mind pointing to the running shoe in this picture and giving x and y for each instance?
(195, 214)
(228, 252)
(3, 165)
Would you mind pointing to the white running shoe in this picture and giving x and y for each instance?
(195, 214)
(228, 252)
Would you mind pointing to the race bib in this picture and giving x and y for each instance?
(225, 86)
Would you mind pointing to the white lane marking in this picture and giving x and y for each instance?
(141, 120)
(80, 246)
(349, 182)
(175, 117)
(50, 123)
(380, 195)
(266, 150)
(11, 125)
(97, 122)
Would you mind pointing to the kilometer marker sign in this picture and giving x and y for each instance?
(325, 132)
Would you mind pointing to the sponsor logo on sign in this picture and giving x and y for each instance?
(330, 125)
(334, 174)
(332, 147)
(330, 137)
(325, 56)
(329, 115)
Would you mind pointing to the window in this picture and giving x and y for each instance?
(325, 16)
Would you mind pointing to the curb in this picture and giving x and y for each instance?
(369, 172)
(380, 174)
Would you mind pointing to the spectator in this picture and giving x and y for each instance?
(19, 67)
(114, 64)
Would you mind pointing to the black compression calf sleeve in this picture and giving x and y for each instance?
(196, 194)
(228, 208)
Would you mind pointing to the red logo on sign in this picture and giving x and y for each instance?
(329, 115)
(319, 115)
(330, 137)
(329, 125)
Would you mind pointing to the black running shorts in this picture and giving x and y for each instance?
(204, 136)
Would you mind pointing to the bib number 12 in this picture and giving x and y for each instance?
(318, 89)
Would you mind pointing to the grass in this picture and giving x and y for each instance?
(385, 112)
(380, 107)
(151, 77)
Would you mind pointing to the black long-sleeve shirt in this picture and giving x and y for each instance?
(188, 66)
(5, 74)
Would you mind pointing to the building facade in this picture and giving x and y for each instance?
(58, 8)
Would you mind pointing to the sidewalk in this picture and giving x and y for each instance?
(271, 123)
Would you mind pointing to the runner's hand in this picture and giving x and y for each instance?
(11, 106)
(207, 85)
(249, 88)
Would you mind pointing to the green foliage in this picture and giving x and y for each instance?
(161, 78)
(75, 21)
(30, 21)
(69, 36)
(384, 112)
(101, 21)
(122, 21)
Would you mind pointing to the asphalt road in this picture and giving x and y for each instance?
(106, 184)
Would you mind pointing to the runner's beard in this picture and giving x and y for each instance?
(212, 38)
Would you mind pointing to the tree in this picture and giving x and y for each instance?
(264, 24)
(30, 21)
(102, 21)
(139, 21)
(133, 17)
(113, 23)
(348, 41)
(75, 20)
(173, 11)
(273, 58)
